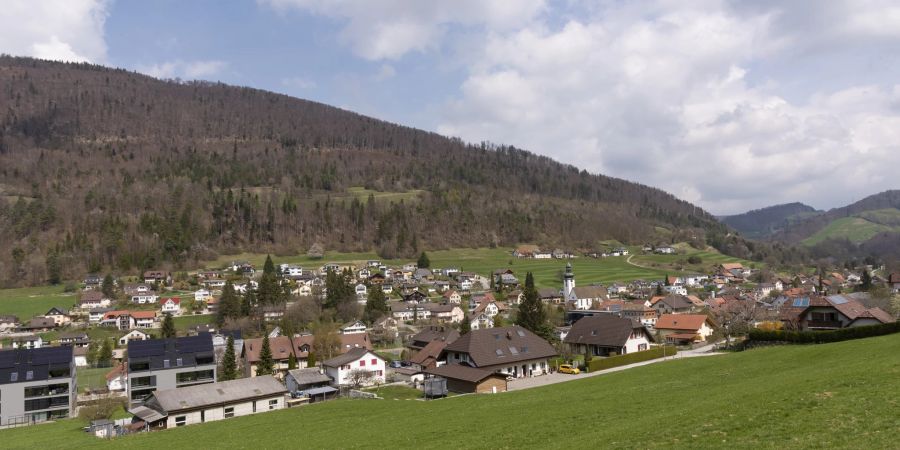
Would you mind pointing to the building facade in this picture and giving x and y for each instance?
(160, 364)
(37, 385)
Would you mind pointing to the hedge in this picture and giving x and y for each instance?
(631, 358)
(820, 337)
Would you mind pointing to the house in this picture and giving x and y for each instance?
(96, 315)
(514, 351)
(344, 368)
(39, 324)
(310, 383)
(144, 298)
(28, 342)
(428, 356)
(423, 274)
(139, 288)
(361, 292)
(481, 321)
(164, 364)
(608, 335)
(290, 270)
(282, 347)
(75, 339)
(673, 304)
(405, 312)
(202, 295)
(220, 342)
(640, 313)
(584, 296)
(893, 282)
(387, 289)
(157, 276)
(465, 380)
(273, 313)
(684, 328)
(92, 282)
(117, 378)
(59, 315)
(37, 385)
(171, 305)
(452, 297)
(214, 283)
(446, 313)
(8, 323)
(665, 250)
(170, 408)
(830, 313)
(550, 295)
(127, 320)
(133, 335)
(431, 334)
(354, 327)
(92, 300)
(80, 356)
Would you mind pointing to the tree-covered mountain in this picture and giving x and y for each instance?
(103, 168)
(761, 223)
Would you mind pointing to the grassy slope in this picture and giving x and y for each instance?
(856, 229)
(834, 395)
(29, 302)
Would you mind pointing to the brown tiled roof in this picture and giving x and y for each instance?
(280, 346)
(429, 354)
(460, 372)
(283, 346)
(90, 296)
(605, 330)
(688, 322)
(492, 346)
(119, 369)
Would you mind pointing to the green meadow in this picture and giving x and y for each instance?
(29, 302)
(842, 395)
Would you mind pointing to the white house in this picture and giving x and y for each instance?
(342, 369)
(481, 321)
(171, 305)
(452, 297)
(28, 342)
(117, 378)
(133, 335)
(143, 298)
(665, 250)
(676, 290)
(607, 335)
(202, 295)
(354, 328)
(361, 291)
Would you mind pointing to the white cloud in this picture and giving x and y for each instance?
(385, 72)
(661, 93)
(389, 29)
(190, 70)
(67, 30)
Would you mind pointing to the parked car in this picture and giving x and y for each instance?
(396, 364)
(568, 368)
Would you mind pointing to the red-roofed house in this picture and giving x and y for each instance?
(170, 305)
(684, 328)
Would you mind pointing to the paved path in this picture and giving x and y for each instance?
(638, 265)
(544, 380)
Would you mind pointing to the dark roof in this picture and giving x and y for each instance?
(460, 372)
(38, 361)
(549, 293)
(156, 351)
(433, 333)
(203, 395)
(605, 330)
(348, 357)
(308, 376)
(492, 346)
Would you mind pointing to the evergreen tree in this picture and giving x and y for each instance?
(104, 359)
(269, 292)
(659, 289)
(109, 286)
(229, 305)
(91, 356)
(531, 312)
(54, 271)
(376, 304)
(338, 289)
(229, 362)
(168, 327)
(667, 280)
(266, 365)
(248, 302)
(865, 281)
(465, 326)
(424, 262)
(311, 359)
(292, 362)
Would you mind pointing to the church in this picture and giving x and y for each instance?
(581, 298)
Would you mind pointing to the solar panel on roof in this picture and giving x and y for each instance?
(499, 352)
(801, 302)
(520, 333)
(836, 300)
(513, 350)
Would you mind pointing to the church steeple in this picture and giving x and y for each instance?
(568, 281)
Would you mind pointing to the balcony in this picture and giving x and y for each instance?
(823, 324)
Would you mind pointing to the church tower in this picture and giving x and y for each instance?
(568, 282)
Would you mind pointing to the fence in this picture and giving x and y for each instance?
(631, 358)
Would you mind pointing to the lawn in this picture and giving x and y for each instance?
(842, 395)
(396, 392)
(182, 323)
(92, 378)
(29, 302)
(710, 258)
(856, 229)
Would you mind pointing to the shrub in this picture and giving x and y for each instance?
(631, 358)
(694, 259)
(821, 337)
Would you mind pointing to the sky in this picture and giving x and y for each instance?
(731, 105)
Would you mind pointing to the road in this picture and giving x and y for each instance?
(527, 383)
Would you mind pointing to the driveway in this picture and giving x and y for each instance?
(553, 378)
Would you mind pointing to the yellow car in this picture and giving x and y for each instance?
(568, 368)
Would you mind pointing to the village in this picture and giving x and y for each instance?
(426, 332)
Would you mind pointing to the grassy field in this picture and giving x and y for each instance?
(856, 229)
(842, 395)
(710, 258)
(29, 302)
(182, 323)
(92, 378)
(396, 392)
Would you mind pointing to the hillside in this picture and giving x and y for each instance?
(815, 396)
(761, 223)
(104, 169)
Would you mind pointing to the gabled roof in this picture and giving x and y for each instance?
(590, 292)
(429, 354)
(195, 397)
(605, 330)
(308, 376)
(688, 322)
(348, 357)
(460, 372)
(492, 346)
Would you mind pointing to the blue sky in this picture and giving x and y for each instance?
(731, 105)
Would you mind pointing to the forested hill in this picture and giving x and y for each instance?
(105, 168)
(761, 223)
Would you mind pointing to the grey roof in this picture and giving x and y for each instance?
(492, 346)
(191, 350)
(320, 390)
(460, 372)
(147, 414)
(202, 395)
(38, 362)
(604, 330)
(308, 376)
(348, 357)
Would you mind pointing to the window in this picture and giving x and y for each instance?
(229, 412)
(202, 416)
(362, 363)
(180, 421)
(14, 376)
(254, 405)
(374, 362)
(195, 376)
(29, 375)
(178, 362)
(273, 404)
(166, 364)
(139, 382)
